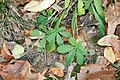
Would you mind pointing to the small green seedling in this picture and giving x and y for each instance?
(73, 49)
(53, 36)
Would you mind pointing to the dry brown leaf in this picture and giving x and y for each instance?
(117, 55)
(115, 44)
(100, 75)
(113, 17)
(44, 72)
(5, 47)
(5, 53)
(104, 41)
(57, 72)
(109, 54)
(90, 68)
(37, 6)
(95, 72)
(20, 70)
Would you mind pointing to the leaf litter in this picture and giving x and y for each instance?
(53, 65)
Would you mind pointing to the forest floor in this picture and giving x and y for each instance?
(25, 54)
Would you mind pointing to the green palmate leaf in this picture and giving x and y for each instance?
(73, 21)
(50, 31)
(79, 57)
(99, 9)
(82, 50)
(72, 41)
(35, 32)
(81, 10)
(101, 25)
(61, 29)
(65, 48)
(51, 36)
(79, 44)
(67, 2)
(65, 34)
(43, 27)
(59, 39)
(59, 21)
(51, 46)
(44, 22)
(41, 19)
(70, 57)
(43, 42)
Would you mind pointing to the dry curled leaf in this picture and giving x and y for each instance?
(5, 53)
(20, 70)
(104, 41)
(37, 6)
(57, 72)
(109, 54)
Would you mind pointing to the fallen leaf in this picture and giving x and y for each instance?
(20, 70)
(104, 41)
(5, 47)
(57, 72)
(18, 51)
(109, 54)
(117, 55)
(100, 75)
(59, 65)
(115, 43)
(5, 53)
(95, 72)
(90, 68)
(37, 6)
(112, 17)
(44, 72)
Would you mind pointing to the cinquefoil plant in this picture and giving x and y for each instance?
(73, 49)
